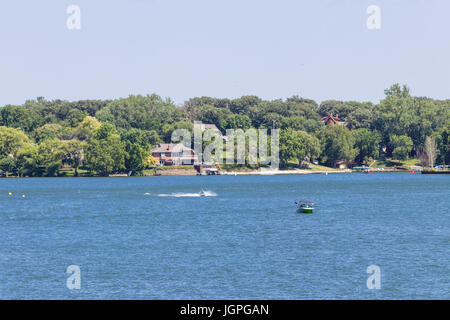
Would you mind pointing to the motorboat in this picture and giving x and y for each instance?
(305, 206)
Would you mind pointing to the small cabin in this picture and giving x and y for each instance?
(331, 120)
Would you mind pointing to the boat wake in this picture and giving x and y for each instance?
(184, 194)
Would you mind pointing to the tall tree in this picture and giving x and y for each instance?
(11, 141)
(106, 156)
(338, 144)
(430, 150)
(402, 146)
(368, 144)
(74, 151)
(87, 128)
(444, 146)
(297, 145)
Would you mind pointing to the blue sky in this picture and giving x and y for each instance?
(180, 49)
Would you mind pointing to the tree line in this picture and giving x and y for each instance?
(41, 137)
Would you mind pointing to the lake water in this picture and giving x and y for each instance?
(154, 238)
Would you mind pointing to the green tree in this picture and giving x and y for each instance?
(50, 131)
(8, 164)
(137, 156)
(105, 130)
(26, 160)
(238, 121)
(48, 160)
(361, 117)
(105, 156)
(44, 159)
(337, 144)
(243, 104)
(368, 144)
(87, 128)
(396, 90)
(401, 114)
(20, 117)
(402, 146)
(11, 141)
(150, 161)
(144, 138)
(300, 123)
(74, 117)
(138, 144)
(74, 151)
(354, 114)
(444, 146)
(167, 129)
(149, 112)
(212, 115)
(297, 145)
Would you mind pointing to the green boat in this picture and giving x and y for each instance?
(305, 206)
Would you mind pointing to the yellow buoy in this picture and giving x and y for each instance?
(23, 196)
(10, 193)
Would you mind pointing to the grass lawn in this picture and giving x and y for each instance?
(318, 167)
(313, 167)
(392, 163)
(70, 172)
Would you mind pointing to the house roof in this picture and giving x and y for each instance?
(334, 119)
(179, 147)
(164, 147)
(170, 147)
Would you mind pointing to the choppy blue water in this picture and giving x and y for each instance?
(153, 238)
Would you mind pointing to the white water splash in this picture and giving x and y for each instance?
(184, 194)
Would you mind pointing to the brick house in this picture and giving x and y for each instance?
(173, 154)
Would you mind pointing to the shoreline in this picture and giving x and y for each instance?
(227, 173)
(259, 172)
(283, 172)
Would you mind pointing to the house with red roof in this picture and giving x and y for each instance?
(331, 120)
